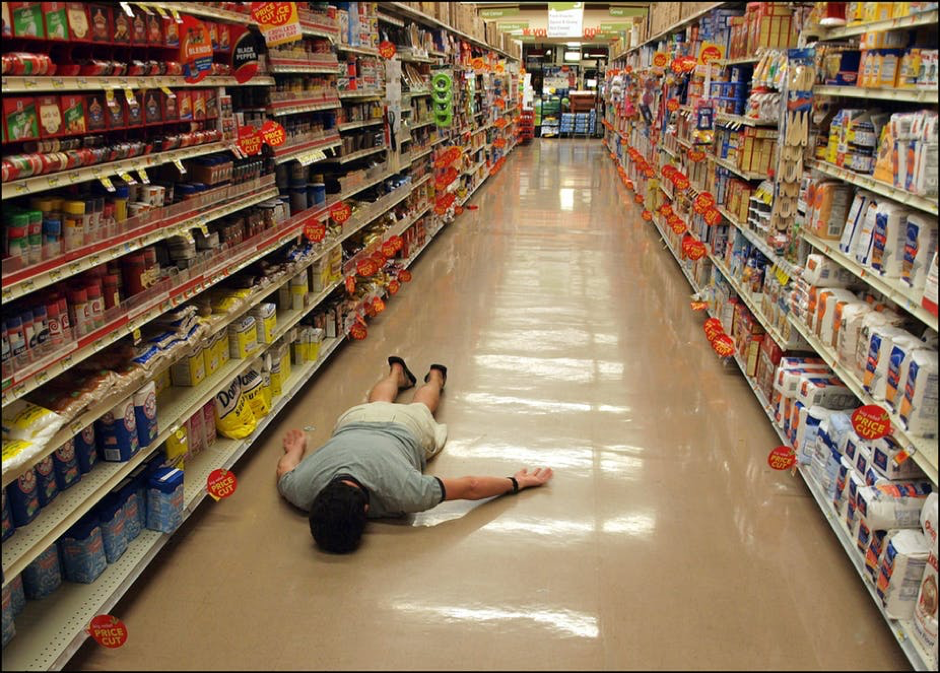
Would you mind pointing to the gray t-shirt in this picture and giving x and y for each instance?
(385, 457)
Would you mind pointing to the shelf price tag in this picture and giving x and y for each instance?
(179, 166)
(143, 176)
(107, 630)
(221, 484)
(126, 177)
(106, 181)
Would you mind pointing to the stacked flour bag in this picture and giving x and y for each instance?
(925, 607)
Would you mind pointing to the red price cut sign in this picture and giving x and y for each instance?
(712, 216)
(629, 183)
(379, 258)
(695, 156)
(398, 241)
(687, 63)
(477, 63)
(358, 332)
(449, 156)
(386, 49)
(501, 124)
(378, 305)
(638, 198)
(107, 630)
(660, 59)
(393, 287)
(500, 103)
(628, 69)
(404, 276)
(366, 268)
(668, 171)
(665, 209)
(709, 54)
(699, 305)
(712, 328)
(499, 143)
(672, 104)
(458, 210)
(272, 13)
(696, 251)
(871, 422)
(702, 201)
(500, 68)
(781, 458)
(315, 231)
(723, 345)
(221, 483)
(350, 284)
(388, 249)
(340, 212)
(676, 66)
(273, 133)
(647, 215)
(249, 140)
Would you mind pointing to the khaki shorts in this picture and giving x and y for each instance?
(430, 434)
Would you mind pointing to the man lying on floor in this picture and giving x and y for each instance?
(372, 465)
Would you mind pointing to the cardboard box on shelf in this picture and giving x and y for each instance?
(428, 7)
(688, 9)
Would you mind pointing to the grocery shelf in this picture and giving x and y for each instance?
(344, 158)
(892, 288)
(51, 631)
(901, 629)
(48, 83)
(414, 58)
(19, 283)
(681, 24)
(306, 152)
(359, 124)
(401, 227)
(736, 61)
(418, 93)
(762, 245)
(317, 30)
(279, 66)
(883, 188)
(924, 450)
(927, 96)
(289, 107)
(418, 15)
(900, 23)
(723, 117)
(201, 9)
(747, 175)
(367, 51)
(41, 183)
(357, 93)
(421, 153)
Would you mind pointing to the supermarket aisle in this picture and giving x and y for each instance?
(664, 541)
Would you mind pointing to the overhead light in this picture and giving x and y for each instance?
(572, 55)
(572, 44)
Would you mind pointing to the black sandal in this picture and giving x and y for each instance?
(441, 368)
(395, 360)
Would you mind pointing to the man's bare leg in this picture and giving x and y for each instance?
(295, 445)
(387, 389)
(430, 393)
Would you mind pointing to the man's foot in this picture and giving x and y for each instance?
(439, 371)
(405, 378)
(295, 442)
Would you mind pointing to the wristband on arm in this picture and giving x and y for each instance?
(515, 485)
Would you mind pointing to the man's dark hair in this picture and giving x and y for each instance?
(338, 517)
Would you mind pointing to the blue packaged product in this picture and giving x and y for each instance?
(86, 450)
(43, 575)
(66, 467)
(8, 527)
(116, 433)
(165, 499)
(23, 498)
(9, 630)
(127, 492)
(83, 551)
(17, 595)
(145, 412)
(112, 523)
(139, 477)
(46, 487)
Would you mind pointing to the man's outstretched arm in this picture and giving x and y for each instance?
(477, 488)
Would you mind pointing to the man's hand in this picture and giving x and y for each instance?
(536, 477)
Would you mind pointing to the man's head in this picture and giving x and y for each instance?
(338, 516)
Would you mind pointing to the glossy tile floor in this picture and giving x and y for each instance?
(663, 542)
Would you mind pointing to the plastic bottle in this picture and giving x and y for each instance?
(111, 290)
(17, 236)
(64, 316)
(108, 224)
(119, 201)
(78, 312)
(17, 336)
(54, 319)
(6, 354)
(90, 222)
(29, 332)
(73, 224)
(95, 303)
(41, 327)
(35, 236)
(51, 238)
(100, 227)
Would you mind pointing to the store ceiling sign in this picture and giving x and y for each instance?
(498, 13)
(565, 19)
(278, 21)
(628, 11)
(510, 26)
